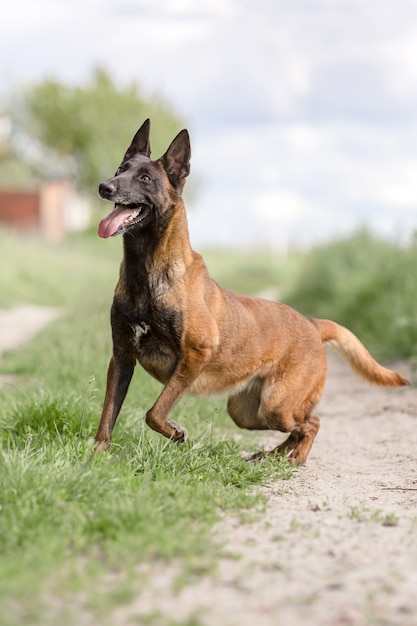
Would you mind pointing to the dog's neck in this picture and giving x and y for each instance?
(164, 250)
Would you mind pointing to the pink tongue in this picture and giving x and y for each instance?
(109, 225)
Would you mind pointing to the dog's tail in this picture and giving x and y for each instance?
(358, 357)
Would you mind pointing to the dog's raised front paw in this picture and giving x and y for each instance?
(180, 434)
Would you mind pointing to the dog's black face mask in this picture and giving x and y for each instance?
(133, 189)
(142, 188)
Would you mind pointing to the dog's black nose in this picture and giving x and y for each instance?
(106, 189)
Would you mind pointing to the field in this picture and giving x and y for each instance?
(67, 515)
(76, 528)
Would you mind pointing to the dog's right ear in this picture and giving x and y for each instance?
(176, 160)
(140, 142)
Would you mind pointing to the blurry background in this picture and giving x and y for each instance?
(303, 115)
(303, 121)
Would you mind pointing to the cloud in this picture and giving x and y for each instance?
(308, 106)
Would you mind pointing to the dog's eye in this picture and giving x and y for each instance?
(145, 178)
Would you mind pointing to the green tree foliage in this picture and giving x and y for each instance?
(92, 124)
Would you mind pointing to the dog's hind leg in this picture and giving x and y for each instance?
(295, 416)
(243, 408)
(300, 440)
(290, 410)
(297, 445)
(248, 411)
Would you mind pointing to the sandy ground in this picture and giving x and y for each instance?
(337, 544)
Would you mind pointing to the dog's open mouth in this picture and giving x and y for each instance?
(123, 217)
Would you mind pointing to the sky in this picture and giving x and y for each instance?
(302, 114)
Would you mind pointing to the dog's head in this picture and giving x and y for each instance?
(143, 189)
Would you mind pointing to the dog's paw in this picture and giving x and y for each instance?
(169, 428)
(102, 446)
(256, 456)
(180, 434)
(263, 455)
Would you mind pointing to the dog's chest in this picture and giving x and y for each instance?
(156, 349)
(156, 342)
(156, 329)
(139, 330)
(145, 318)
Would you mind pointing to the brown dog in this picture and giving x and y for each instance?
(192, 335)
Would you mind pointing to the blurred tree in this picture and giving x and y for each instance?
(83, 131)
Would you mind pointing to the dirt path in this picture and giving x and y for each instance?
(19, 325)
(337, 545)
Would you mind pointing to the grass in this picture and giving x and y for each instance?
(71, 520)
(251, 272)
(363, 513)
(73, 523)
(65, 509)
(56, 275)
(366, 284)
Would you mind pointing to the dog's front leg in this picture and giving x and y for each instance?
(187, 370)
(119, 376)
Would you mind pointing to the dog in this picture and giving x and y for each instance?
(194, 336)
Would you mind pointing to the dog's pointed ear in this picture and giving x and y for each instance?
(140, 142)
(176, 160)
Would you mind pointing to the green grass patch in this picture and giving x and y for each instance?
(34, 271)
(75, 526)
(251, 272)
(68, 516)
(367, 284)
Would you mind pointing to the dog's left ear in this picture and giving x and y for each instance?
(140, 142)
(176, 160)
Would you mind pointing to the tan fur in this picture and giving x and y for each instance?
(266, 356)
(358, 357)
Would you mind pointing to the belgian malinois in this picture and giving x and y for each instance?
(192, 335)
